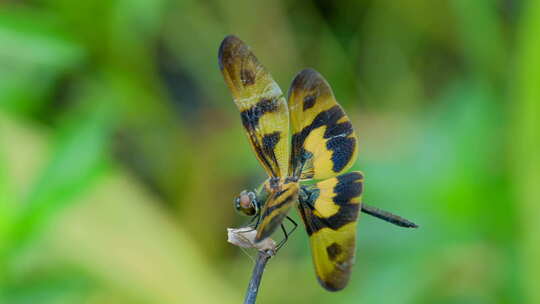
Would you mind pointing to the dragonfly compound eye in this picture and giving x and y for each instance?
(245, 203)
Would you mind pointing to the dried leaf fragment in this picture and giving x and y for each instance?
(245, 237)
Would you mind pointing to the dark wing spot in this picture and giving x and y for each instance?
(342, 150)
(348, 187)
(339, 143)
(267, 105)
(251, 116)
(262, 156)
(338, 129)
(270, 141)
(333, 251)
(309, 102)
(230, 50)
(247, 77)
(307, 215)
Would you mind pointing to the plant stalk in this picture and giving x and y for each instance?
(256, 276)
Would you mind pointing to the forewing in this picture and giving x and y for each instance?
(330, 214)
(323, 141)
(261, 103)
(276, 208)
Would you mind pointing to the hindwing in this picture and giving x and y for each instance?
(329, 210)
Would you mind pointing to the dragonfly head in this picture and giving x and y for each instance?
(246, 203)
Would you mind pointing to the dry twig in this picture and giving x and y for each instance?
(245, 238)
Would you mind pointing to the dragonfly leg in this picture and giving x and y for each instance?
(285, 233)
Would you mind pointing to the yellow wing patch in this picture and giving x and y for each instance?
(333, 254)
(263, 109)
(330, 211)
(276, 208)
(323, 140)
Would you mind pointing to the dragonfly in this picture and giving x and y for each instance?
(306, 144)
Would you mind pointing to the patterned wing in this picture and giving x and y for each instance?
(330, 212)
(323, 141)
(276, 208)
(262, 107)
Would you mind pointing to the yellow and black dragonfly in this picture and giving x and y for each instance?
(305, 137)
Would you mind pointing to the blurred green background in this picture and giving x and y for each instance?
(121, 149)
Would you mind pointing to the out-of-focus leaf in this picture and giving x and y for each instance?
(120, 226)
(477, 19)
(526, 148)
(54, 288)
(6, 203)
(35, 38)
(35, 52)
(76, 162)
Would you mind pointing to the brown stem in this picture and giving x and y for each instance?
(256, 276)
